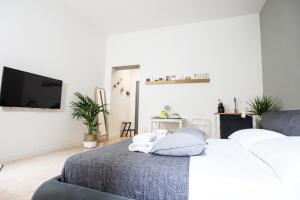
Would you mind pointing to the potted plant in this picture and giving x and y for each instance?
(260, 105)
(86, 109)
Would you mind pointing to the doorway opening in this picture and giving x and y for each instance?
(124, 100)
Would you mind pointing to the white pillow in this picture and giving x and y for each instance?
(248, 137)
(283, 156)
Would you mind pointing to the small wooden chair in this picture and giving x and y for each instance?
(126, 128)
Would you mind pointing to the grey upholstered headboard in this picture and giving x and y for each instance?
(285, 122)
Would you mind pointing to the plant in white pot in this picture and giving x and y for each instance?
(260, 105)
(86, 109)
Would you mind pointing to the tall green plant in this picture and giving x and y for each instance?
(260, 105)
(87, 109)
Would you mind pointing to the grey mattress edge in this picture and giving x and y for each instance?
(55, 189)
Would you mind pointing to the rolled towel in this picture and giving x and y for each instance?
(144, 138)
(141, 147)
(144, 142)
(160, 133)
(150, 137)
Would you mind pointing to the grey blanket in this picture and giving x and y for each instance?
(116, 170)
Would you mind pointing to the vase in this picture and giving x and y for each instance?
(90, 141)
(258, 121)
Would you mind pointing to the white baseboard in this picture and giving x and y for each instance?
(39, 151)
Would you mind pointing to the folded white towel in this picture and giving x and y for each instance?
(144, 142)
(144, 138)
(145, 148)
(160, 133)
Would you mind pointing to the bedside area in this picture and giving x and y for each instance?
(227, 123)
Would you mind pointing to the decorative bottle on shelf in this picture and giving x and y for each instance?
(221, 108)
(235, 108)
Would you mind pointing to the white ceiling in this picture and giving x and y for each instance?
(118, 16)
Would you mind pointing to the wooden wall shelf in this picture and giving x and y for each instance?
(248, 114)
(228, 113)
(177, 81)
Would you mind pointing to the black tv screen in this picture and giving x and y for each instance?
(23, 89)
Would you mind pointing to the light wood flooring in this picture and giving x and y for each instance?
(19, 179)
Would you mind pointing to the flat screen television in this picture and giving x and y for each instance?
(23, 89)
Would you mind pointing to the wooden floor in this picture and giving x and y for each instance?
(19, 179)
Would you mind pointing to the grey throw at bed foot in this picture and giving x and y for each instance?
(115, 170)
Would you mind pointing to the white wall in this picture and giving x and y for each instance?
(280, 30)
(228, 49)
(122, 106)
(47, 38)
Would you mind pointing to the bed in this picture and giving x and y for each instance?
(225, 171)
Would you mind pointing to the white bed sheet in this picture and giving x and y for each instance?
(228, 172)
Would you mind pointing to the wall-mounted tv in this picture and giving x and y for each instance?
(23, 89)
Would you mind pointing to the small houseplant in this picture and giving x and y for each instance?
(86, 109)
(260, 105)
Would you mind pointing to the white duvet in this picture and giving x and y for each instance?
(228, 172)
